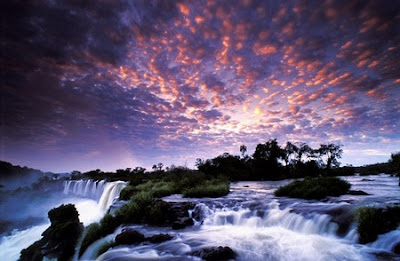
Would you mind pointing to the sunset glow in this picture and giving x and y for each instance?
(116, 84)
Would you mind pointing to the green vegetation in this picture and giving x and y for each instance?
(270, 161)
(104, 247)
(208, 188)
(373, 221)
(314, 188)
(142, 208)
(179, 181)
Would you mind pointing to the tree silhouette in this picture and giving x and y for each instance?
(290, 149)
(332, 152)
(243, 150)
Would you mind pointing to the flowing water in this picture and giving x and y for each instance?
(259, 226)
(250, 220)
(91, 198)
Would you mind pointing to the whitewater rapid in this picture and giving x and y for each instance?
(259, 226)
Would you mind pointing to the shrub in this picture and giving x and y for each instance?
(214, 189)
(104, 247)
(158, 213)
(374, 221)
(93, 232)
(369, 224)
(127, 192)
(162, 189)
(314, 188)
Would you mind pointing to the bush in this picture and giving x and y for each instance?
(104, 247)
(93, 232)
(214, 189)
(127, 192)
(374, 221)
(162, 189)
(369, 224)
(314, 188)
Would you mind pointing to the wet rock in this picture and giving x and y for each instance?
(59, 240)
(357, 192)
(396, 249)
(216, 253)
(198, 214)
(343, 216)
(129, 237)
(182, 223)
(159, 238)
(367, 180)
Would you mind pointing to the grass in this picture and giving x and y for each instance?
(144, 205)
(213, 189)
(314, 188)
(141, 208)
(372, 221)
(187, 183)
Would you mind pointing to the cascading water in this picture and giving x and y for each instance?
(85, 188)
(110, 193)
(91, 198)
(259, 226)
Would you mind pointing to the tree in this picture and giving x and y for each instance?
(138, 170)
(301, 150)
(158, 167)
(266, 159)
(269, 151)
(243, 150)
(394, 164)
(290, 149)
(332, 152)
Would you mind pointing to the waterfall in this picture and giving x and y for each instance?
(271, 216)
(110, 193)
(101, 191)
(85, 188)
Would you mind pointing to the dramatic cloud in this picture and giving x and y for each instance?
(115, 83)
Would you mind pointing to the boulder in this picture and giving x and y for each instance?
(159, 238)
(396, 248)
(59, 240)
(182, 223)
(216, 253)
(129, 237)
(357, 192)
(367, 180)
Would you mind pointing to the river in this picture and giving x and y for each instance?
(259, 226)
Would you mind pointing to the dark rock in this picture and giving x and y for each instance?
(129, 237)
(59, 240)
(216, 253)
(343, 216)
(367, 180)
(159, 238)
(198, 214)
(357, 192)
(182, 223)
(396, 249)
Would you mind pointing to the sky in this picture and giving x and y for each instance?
(116, 84)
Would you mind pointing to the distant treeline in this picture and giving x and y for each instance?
(7, 170)
(23, 178)
(269, 161)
